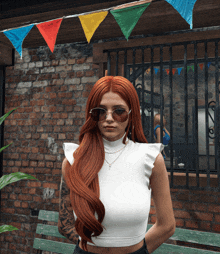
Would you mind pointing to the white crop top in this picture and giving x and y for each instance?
(124, 190)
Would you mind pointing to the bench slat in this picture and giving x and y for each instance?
(48, 230)
(58, 247)
(193, 236)
(48, 215)
(176, 249)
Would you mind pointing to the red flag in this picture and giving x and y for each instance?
(201, 66)
(168, 71)
(173, 70)
(49, 31)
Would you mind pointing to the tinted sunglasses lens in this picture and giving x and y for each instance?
(98, 114)
(119, 115)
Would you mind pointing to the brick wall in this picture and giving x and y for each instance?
(50, 91)
(199, 210)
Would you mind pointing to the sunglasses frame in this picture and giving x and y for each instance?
(106, 114)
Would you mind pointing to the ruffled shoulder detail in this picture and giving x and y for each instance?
(69, 149)
(151, 153)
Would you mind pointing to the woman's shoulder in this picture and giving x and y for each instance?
(69, 149)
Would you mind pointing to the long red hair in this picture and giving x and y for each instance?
(82, 176)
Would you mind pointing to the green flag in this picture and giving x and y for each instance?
(128, 17)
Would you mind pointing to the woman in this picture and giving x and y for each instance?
(109, 178)
(166, 134)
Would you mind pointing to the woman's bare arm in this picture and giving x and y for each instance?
(165, 223)
(66, 222)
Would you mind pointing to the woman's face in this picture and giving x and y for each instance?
(111, 101)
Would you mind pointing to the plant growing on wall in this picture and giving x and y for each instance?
(11, 178)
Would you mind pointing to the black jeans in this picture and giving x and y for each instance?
(142, 250)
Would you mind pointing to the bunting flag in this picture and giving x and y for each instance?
(201, 66)
(185, 9)
(17, 36)
(179, 70)
(148, 71)
(49, 31)
(128, 17)
(173, 70)
(168, 71)
(91, 22)
(156, 70)
(208, 64)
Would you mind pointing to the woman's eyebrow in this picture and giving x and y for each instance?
(113, 106)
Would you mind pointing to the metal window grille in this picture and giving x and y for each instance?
(180, 81)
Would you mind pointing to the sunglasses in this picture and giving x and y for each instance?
(100, 114)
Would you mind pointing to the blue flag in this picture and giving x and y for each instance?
(17, 36)
(185, 9)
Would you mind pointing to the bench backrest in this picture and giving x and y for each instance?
(184, 235)
(50, 230)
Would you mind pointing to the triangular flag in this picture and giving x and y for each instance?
(128, 17)
(148, 70)
(188, 68)
(201, 66)
(156, 70)
(173, 70)
(192, 67)
(49, 31)
(208, 64)
(168, 71)
(179, 70)
(185, 9)
(17, 36)
(91, 22)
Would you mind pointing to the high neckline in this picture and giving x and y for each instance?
(113, 146)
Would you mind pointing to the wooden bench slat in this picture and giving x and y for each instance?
(58, 247)
(193, 236)
(48, 230)
(176, 249)
(48, 215)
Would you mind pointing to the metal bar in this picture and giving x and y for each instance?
(162, 44)
(116, 67)
(143, 88)
(161, 94)
(217, 117)
(152, 95)
(125, 63)
(133, 66)
(180, 62)
(186, 113)
(2, 112)
(171, 114)
(109, 64)
(196, 129)
(206, 117)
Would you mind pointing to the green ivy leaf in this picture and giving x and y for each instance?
(1, 149)
(2, 119)
(6, 228)
(14, 177)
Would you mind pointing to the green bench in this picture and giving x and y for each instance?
(182, 235)
(52, 231)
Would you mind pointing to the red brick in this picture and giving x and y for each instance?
(191, 224)
(50, 185)
(81, 61)
(204, 216)
(90, 73)
(181, 214)
(216, 228)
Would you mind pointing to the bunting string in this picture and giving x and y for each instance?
(126, 16)
(179, 69)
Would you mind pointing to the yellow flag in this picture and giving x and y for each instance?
(91, 22)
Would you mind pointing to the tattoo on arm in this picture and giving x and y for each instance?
(66, 223)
